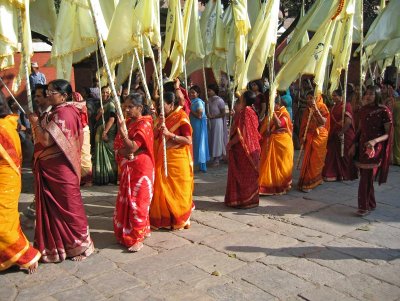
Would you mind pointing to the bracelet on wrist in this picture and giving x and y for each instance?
(174, 138)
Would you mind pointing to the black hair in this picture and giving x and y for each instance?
(43, 88)
(62, 86)
(137, 100)
(389, 83)
(259, 84)
(169, 87)
(170, 98)
(105, 87)
(377, 91)
(250, 98)
(311, 92)
(4, 109)
(338, 92)
(196, 89)
(214, 87)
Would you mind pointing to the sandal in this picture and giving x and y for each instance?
(361, 212)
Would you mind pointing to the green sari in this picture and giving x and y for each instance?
(105, 168)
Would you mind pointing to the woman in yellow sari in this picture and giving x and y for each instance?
(14, 247)
(276, 163)
(314, 130)
(172, 202)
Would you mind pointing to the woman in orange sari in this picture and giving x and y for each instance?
(14, 247)
(243, 157)
(314, 130)
(277, 152)
(172, 203)
(134, 154)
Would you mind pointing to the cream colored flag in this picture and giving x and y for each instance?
(313, 19)
(43, 17)
(150, 21)
(242, 28)
(191, 29)
(254, 7)
(311, 59)
(258, 24)
(342, 44)
(263, 45)
(75, 37)
(175, 36)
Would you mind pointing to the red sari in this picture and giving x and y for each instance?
(62, 229)
(338, 168)
(244, 159)
(376, 164)
(131, 218)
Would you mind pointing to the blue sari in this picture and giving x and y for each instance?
(200, 135)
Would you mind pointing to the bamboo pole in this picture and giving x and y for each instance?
(310, 113)
(24, 61)
(99, 85)
(361, 45)
(12, 96)
(130, 74)
(162, 111)
(146, 89)
(344, 110)
(205, 89)
(157, 79)
(107, 67)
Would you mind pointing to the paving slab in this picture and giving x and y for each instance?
(239, 291)
(384, 272)
(378, 234)
(324, 293)
(83, 292)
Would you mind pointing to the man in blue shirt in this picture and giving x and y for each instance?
(36, 77)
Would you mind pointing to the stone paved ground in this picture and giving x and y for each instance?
(293, 247)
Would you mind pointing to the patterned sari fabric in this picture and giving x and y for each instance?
(131, 217)
(172, 203)
(61, 225)
(243, 160)
(314, 147)
(200, 135)
(338, 168)
(396, 132)
(276, 164)
(373, 164)
(14, 247)
(105, 168)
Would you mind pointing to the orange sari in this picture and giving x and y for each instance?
(14, 247)
(172, 202)
(314, 147)
(277, 151)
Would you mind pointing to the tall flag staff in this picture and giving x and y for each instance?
(12, 96)
(361, 44)
(99, 86)
(107, 67)
(130, 74)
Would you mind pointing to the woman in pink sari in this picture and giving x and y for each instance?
(244, 157)
(134, 154)
(61, 225)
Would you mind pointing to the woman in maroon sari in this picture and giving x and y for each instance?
(373, 139)
(134, 154)
(338, 167)
(244, 157)
(61, 225)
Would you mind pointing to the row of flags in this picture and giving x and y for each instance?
(238, 40)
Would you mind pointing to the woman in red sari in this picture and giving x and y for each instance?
(14, 247)
(61, 225)
(338, 167)
(243, 157)
(134, 155)
(373, 141)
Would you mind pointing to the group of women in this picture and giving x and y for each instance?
(154, 155)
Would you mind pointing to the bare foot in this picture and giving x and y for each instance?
(136, 247)
(78, 258)
(148, 235)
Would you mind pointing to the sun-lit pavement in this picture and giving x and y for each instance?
(292, 247)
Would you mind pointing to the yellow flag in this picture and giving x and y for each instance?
(150, 21)
(43, 17)
(254, 7)
(174, 37)
(263, 46)
(192, 34)
(311, 59)
(242, 28)
(316, 16)
(75, 37)
(341, 48)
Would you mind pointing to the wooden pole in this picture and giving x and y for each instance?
(344, 110)
(130, 74)
(162, 111)
(310, 112)
(24, 61)
(12, 96)
(205, 89)
(99, 85)
(361, 45)
(107, 67)
(146, 89)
